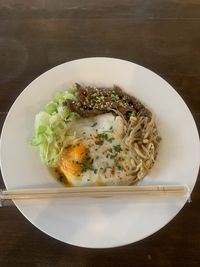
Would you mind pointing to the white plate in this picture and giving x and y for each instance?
(108, 222)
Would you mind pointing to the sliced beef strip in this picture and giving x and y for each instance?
(89, 104)
(91, 90)
(126, 110)
(134, 101)
(85, 113)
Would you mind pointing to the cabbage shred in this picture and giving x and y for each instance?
(51, 128)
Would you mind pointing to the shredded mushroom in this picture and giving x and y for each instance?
(142, 140)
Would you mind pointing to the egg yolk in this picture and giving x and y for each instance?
(72, 159)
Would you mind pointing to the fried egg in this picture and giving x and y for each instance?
(98, 155)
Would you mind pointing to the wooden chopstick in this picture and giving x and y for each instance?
(103, 191)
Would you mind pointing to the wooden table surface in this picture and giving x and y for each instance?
(163, 36)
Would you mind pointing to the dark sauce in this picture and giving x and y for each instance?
(59, 176)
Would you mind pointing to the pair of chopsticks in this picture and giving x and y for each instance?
(94, 191)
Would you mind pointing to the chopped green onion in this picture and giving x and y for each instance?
(94, 124)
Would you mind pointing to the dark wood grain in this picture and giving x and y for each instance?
(161, 35)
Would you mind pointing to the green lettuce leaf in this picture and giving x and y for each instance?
(51, 128)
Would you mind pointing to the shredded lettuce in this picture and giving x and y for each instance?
(51, 127)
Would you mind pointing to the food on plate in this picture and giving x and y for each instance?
(97, 136)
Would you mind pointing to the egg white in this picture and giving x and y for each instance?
(102, 173)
